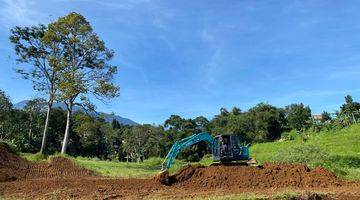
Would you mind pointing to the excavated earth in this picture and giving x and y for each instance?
(60, 178)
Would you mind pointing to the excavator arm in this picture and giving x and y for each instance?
(183, 144)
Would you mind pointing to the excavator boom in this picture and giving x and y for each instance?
(185, 143)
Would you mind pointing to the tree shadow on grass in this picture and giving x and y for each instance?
(346, 161)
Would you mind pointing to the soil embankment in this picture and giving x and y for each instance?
(60, 178)
(13, 167)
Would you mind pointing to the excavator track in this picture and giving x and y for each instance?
(250, 162)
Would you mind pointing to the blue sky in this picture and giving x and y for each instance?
(193, 57)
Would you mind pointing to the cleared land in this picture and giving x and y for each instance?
(333, 157)
(61, 178)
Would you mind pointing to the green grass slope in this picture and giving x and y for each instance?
(337, 150)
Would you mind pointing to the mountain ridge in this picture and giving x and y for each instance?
(108, 117)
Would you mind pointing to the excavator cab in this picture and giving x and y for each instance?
(226, 149)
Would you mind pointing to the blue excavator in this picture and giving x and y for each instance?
(225, 148)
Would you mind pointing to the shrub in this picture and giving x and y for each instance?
(317, 127)
(38, 157)
(292, 135)
(206, 160)
(306, 154)
(10, 146)
(153, 161)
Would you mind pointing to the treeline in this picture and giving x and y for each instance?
(93, 136)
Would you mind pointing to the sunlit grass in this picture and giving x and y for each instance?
(145, 169)
(340, 151)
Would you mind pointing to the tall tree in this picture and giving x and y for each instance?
(43, 63)
(236, 111)
(5, 107)
(268, 122)
(34, 108)
(325, 116)
(298, 116)
(350, 106)
(174, 122)
(91, 132)
(5, 103)
(201, 123)
(85, 70)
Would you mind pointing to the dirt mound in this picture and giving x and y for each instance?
(57, 167)
(13, 167)
(61, 178)
(266, 176)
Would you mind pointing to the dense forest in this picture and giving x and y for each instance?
(93, 136)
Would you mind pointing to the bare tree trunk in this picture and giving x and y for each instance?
(30, 133)
(30, 127)
(1, 132)
(46, 128)
(67, 130)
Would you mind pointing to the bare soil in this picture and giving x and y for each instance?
(60, 178)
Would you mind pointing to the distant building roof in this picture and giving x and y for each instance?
(317, 117)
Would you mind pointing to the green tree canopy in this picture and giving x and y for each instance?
(298, 116)
(268, 122)
(42, 59)
(325, 116)
(85, 68)
(350, 106)
(5, 103)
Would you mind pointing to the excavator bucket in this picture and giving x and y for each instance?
(163, 177)
(252, 162)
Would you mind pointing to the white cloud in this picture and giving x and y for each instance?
(19, 12)
(213, 68)
(123, 4)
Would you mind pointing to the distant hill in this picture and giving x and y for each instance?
(108, 117)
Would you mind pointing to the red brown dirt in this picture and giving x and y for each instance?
(13, 167)
(266, 176)
(60, 178)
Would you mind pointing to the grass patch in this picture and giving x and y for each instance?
(338, 151)
(284, 195)
(117, 169)
(148, 168)
(206, 160)
(37, 157)
(252, 196)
